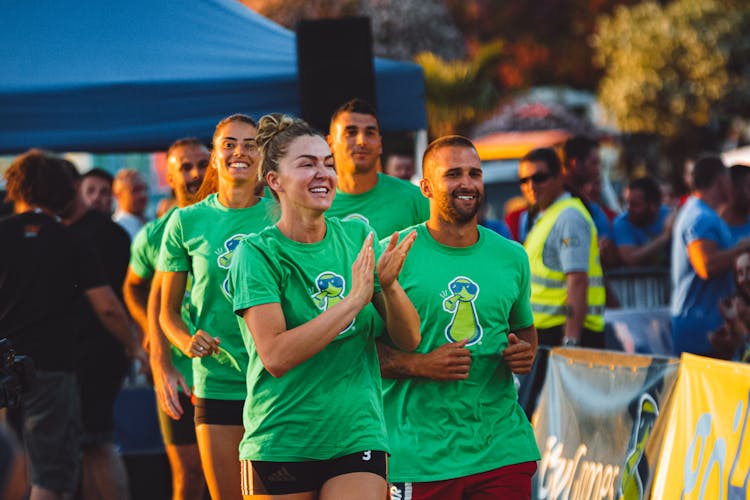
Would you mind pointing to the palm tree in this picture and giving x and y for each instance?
(459, 92)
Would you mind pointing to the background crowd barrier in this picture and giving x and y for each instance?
(639, 330)
(613, 425)
(640, 287)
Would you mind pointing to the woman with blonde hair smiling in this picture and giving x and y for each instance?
(307, 292)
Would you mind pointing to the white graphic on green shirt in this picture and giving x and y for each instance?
(225, 258)
(460, 301)
(359, 217)
(330, 292)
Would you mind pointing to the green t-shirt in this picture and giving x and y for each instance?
(200, 239)
(331, 404)
(392, 205)
(444, 430)
(144, 255)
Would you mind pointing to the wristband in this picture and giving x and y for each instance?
(569, 342)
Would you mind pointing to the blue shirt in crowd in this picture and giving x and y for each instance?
(627, 234)
(695, 302)
(601, 221)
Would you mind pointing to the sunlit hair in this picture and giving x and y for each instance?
(210, 184)
(275, 133)
(124, 178)
(185, 142)
(37, 178)
(447, 141)
(359, 106)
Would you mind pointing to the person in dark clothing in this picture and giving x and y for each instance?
(45, 270)
(102, 363)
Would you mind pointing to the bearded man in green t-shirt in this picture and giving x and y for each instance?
(386, 203)
(455, 427)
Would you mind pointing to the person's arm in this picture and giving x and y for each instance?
(280, 349)
(450, 361)
(135, 293)
(166, 377)
(400, 316)
(111, 313)
(521, 350)
(577, 284)
(199, 344)
(634, 256)
(708, 261)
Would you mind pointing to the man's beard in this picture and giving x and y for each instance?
(452, 212)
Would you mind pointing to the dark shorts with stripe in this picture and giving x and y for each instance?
(283, 478)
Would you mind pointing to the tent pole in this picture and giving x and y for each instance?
(420, 145)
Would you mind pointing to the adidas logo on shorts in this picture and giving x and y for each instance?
(401, 491)
(281, 476)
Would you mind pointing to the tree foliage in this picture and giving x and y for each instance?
(459, 92)
(401, 28)
(667, 68)
(546, 40)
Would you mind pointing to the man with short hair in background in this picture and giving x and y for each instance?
(400, 165)
(131, 193)
(703, 253)
(96, 190)
(386, 203)
(567, 291)
(736, 210)
(644, 230)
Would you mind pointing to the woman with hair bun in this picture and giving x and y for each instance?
(199, 240)
(307, 294)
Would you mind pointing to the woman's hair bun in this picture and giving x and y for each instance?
(271, 125)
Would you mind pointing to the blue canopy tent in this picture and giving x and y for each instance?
(135, 75)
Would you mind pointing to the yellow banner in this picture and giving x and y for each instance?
(706, 449)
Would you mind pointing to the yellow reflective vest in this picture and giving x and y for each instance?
(548, 286)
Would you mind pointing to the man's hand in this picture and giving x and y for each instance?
(519, 355)
(448, 362)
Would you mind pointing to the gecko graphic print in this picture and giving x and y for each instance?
(225, 258)
(459, 301)
(330, 291)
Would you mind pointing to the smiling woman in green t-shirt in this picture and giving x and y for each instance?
(305, 289)
(199, 240)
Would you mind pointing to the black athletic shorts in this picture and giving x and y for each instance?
(283, 478)
(218, 411)
(182, 431)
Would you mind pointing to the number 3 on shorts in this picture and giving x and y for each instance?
(367, 455)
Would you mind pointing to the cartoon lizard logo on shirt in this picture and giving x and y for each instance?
(330, 292)
(225, 259)
(465, 322)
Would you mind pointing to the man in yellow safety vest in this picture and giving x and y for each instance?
(567, 291)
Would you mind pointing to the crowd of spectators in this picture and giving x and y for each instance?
(66, 253)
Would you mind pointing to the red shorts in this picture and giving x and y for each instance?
(512, 482)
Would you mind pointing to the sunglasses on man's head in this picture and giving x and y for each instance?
(537, 178)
